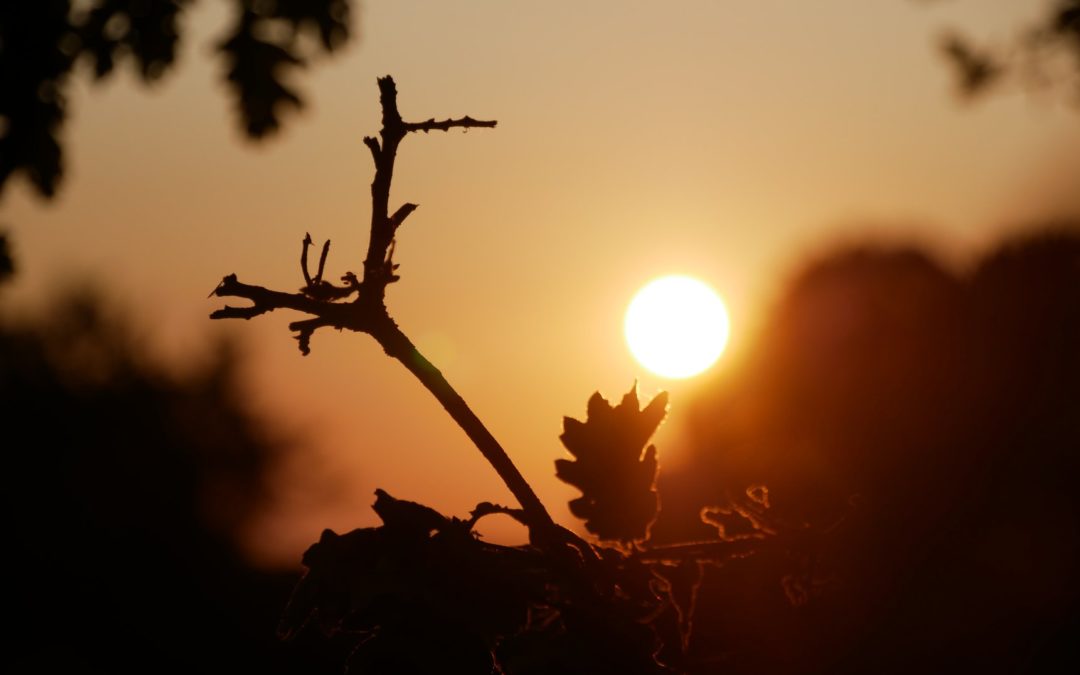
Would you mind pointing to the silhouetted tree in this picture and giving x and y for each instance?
(125, 487)
(925, 423)
(7, 265)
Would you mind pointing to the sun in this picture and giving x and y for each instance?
(676, 326)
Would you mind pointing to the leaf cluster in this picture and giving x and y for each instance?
(1034, 57)
(43, 41)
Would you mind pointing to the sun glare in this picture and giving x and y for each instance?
(676, 326)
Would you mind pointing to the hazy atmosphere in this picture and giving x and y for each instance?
(719, 139)
(739, 142)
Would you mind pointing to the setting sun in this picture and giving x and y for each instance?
(676, 326)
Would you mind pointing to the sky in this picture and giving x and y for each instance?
(724, 139)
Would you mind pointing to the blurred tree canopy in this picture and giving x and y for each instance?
(924, 422)
(126, 485)
(7, 265)
(42, 42)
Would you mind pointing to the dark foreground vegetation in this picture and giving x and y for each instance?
(918, 425)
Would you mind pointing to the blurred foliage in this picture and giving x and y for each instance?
(42, 42)
(923, 424)
(126, 485)
(7, 264)
(1045, 53)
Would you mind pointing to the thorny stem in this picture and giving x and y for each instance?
(368, 313)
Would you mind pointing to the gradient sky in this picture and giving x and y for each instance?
(722, 139)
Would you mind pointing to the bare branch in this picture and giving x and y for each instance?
(373, 145)
(377, 273)
(229, 312)
(322, 261)
(484, 509)
(341, 315)
(448, 124)
(388, 100)
(303, 258)
(304, 330)
(368, 314)
(401, 214)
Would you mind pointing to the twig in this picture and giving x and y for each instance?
(368, 313)
(322, 261)
(303, 258)
(446, 125)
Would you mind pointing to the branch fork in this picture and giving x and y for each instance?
(327, 305)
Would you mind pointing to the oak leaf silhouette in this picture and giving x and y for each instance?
(616, 478)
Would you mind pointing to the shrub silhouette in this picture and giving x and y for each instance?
(43, 41)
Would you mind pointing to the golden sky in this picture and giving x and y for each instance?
(715, 138)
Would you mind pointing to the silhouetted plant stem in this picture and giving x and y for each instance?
(367, 313)
(398, 345)
(704, 551)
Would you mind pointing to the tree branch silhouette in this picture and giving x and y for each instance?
(367, 313)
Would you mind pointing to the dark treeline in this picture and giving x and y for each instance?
(923, 426)
(123, 490)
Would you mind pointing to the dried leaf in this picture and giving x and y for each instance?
(617, 479)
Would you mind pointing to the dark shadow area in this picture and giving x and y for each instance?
(923, 428)
(123, 489)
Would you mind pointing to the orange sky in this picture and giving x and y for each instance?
(714, 138)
